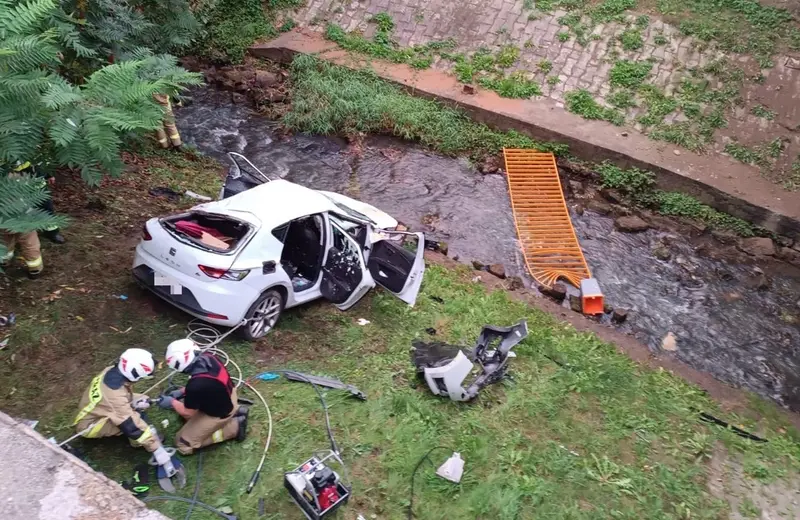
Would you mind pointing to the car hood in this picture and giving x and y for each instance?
(381, 219)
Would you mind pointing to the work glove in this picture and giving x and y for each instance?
(164, 460)
(165, 402)
(141, 405)
(177, 394)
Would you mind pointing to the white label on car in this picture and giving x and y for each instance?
(175, 288)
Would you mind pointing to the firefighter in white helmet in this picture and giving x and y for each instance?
(109, 407)
(208, 402)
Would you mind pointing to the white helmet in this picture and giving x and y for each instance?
(181, 353)
(136, 363)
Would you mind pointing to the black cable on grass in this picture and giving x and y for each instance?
(196, 485)
(414, 473)
(190, 501)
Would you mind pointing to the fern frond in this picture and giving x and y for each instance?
(23, 18)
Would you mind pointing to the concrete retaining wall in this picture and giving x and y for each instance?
(39, 481)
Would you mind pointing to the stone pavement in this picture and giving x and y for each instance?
(493, 24)
(39, 481)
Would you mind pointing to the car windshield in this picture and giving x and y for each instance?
(351, 212)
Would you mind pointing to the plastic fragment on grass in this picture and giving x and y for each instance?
(268, 376)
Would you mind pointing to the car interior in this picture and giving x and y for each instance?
(214, 232)
(303, 249)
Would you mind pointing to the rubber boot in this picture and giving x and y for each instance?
(55, 236)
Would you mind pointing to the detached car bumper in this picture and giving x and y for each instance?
(190, 298)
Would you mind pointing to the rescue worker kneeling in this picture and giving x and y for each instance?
(110, 408)
(210, 404)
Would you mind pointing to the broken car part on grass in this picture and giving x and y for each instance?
(445, 367)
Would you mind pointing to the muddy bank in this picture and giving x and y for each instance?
(729, 317)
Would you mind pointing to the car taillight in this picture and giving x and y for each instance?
(146, 234)
(224, 274)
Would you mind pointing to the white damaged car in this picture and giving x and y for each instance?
(273, 246)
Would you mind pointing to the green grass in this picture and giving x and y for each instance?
(334, 100)
(631, 39)
(596, 431)
(545, 66)
(582, 103)
(763, 112)
(760, 155)
(660, 39)
(234, 25)
(657, 104)
(640, 187)
(553, 80)
(383, 47)
(507, 56)
(621, 99)
(563, 36)
(515, 85)
(629, 74)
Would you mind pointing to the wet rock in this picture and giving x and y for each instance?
(238, 98)
(599, 206)
(579, 209)
(701, 227)
(757, 246)
(575, 303)
(676, 152)
(577, 187)
(759, 282)
(612, 196)
(557, 292)
(662, 252)
(478, 266)
(499, 270)
(784, 241)
(468, 89)
(619, 315)
(266, 79)
(724, 275)
(491, 164)
(731, 297)
(439, 247)
(607, 308)
(631, 224)
(444, 248)
(685, 264)
(238, 77)
(789, 255)
(669, 343)
(515, 283)
(724, 237)
(402, 227)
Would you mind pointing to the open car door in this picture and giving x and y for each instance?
(345, 277)
(395, 264)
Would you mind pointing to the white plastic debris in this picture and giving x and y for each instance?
(452, 469)
(193, 195)
(362, 322)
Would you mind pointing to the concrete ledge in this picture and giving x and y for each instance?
(722, 183)
(39, 481)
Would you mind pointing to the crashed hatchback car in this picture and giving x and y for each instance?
(269, 245)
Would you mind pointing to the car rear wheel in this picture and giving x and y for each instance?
(263, 315)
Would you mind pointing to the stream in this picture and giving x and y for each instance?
(742, 336)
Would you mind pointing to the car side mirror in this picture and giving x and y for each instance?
(268, 267)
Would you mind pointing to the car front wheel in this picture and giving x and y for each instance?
(263, 315)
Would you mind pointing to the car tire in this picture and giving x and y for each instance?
(270, 306)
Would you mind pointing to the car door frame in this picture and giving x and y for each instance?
(413, 282)
(366, 282)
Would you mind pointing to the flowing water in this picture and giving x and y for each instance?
(742, 336)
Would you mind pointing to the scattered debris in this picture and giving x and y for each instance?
(706, 417)
(757, 246)
(452, 469)
(324, 381)
(362, 322)
(4, 343)
(430, 331)
(575, 303)
(476, 279)
(445, 367)
(669, 343)
(197, 196)
(557, 292)
(592, 301)
(498, 270)
(268, 376)
(631, 224)
(8, 320)
(468, 89)
(437, 299)
(122, 297)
